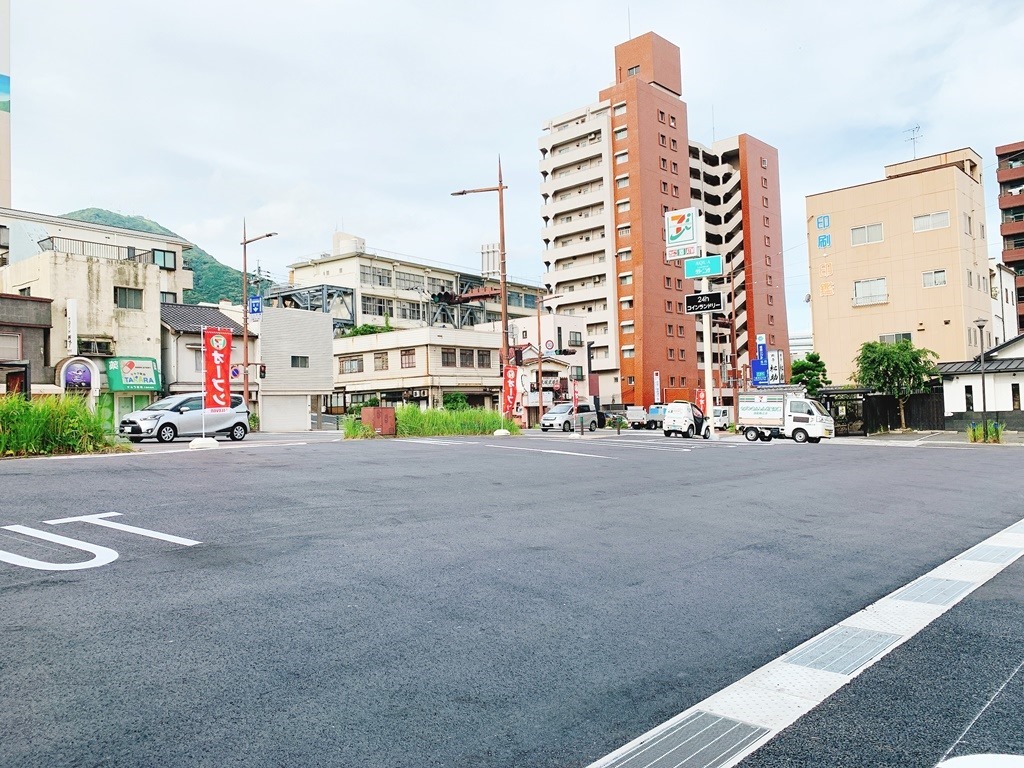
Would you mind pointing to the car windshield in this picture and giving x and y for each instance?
(561, 408)
(162, 405)
(819, 408)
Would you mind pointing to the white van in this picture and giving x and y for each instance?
(721, 416)
(685, 418)
(561, 417)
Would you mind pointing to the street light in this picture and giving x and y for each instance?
(245, 309)
(981, 322)
(502, 287)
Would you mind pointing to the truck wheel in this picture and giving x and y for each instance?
(668, 433)
(566, 426)
(637, 426)
(751, 434)
(813, 439)
(799, 436)
(689, 431)
(765, 438)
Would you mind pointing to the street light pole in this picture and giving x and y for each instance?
(245, 309)
(980, 322)
(502, 284)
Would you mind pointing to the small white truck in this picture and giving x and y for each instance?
(641, 418)
(764, 415)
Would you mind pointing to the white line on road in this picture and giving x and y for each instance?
(551, 450)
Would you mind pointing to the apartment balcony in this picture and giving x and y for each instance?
(1012, 199)
(583, 153)
(588, 244)
(1011, 227)
(579, 225)
(582, 295)
(864, 301)
(569, 201)
(1010, 170)
(574, 178)
(96, 250)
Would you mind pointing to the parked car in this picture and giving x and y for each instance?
(561, 416)
(721, 416)
(684, 418)
(184, 416)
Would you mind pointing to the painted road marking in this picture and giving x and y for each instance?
(775, 696)
(102, 521)
(551, 450)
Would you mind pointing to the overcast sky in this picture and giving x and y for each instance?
(312, 116)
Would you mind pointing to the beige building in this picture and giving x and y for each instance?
(107, 285)
(901, 258)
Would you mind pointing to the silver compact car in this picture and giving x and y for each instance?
(184, 416)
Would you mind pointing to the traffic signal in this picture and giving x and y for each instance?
(263, 370)
(444, 297)
(569, 351)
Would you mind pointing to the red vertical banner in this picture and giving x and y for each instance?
(510, 389)
(702, 401)
(575, 397)
(217, 368)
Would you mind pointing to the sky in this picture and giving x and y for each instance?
(315, 116)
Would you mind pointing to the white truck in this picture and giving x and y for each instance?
(641, 418)
(764, 415)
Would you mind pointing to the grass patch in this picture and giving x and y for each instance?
(976, 432)
(50, 426)
(413, 422)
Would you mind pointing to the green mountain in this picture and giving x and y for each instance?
(212, 280)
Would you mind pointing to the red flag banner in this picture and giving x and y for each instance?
(511, 388)
(217, 368)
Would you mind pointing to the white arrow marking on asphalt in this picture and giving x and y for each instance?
(101, 555)
(99, 520)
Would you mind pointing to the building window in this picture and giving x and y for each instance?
(675, 168)
(768, 279)
(870, 292)
(764, 201)
(767, 221)
(380, 361)
(408, 358)
(662, 139)
(378, 307)
(664, 164)
(661, 116)
(628, 327)
(671, 354)
(892, 338)
(128, 298)
(969, 397)
(300, 361)
(350, 364)
(619, 109)
(767, 261)
(621, 157)
(870, 233)
(675, 191)
(668, 306)
(622, 182)
(939, 220)
(967, 223)
(672, 120)
(632, 71)
(575, 338)
(10, 346)
(771, 339)
(679, 283)
(1015, 396)
(664, 187)
(771, 319)
(768, 240)
(24, 291)
(625, 255)
(483, 358)
(970, 279)
(668, 329)
(628, 353)
(626, 279)
(620, 133)
(680, 332)
(673, 145)
(624, 231)
(671, 381)
(764, 162)
(466, 358)
(448, 357)
(681, 307)
(934, 278)
(168, 298)
(163, 259)
(374, 276)
(682, 354)
(630, 380)
(764, 183)
(771, 300)
(622, 207)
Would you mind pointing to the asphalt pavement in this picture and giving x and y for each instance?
(534, 601)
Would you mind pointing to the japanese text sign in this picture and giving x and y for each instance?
(216, 368)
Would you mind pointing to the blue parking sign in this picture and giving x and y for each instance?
(255, 305)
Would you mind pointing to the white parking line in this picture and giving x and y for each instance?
(772, 698)
(551, 450)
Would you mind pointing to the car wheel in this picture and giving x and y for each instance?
(707, 433)
(238, 432)
(689, 431)
(751, 434)
(593, 426)
(135, 439)
(799, 436)
(543, 429)
(166, 433)
(637, 426)
(566, 426)
(813, 439)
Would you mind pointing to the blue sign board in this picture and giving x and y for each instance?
(255, 305)
(705, 266)
(759, 372)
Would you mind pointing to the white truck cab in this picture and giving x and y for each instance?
(766, 415)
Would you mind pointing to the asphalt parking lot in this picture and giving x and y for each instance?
(533, 601)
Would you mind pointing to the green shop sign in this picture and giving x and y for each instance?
(132, 373)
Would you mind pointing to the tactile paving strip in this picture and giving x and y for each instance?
(843, 650)
(934, 591)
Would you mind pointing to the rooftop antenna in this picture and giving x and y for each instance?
(915, 136)
(629, 24)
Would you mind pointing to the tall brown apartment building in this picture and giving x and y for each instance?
(1010, 175)
(610, 171)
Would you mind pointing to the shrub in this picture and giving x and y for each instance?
(50, 425)
(976, 432)
(413, 422)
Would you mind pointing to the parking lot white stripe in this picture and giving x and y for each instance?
(552, 450)
(758, 701)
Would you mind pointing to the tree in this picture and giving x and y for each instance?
(455, 401)
(899, 369)
(811, 373)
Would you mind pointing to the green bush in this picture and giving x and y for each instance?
(413, 422)
(50, 425)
